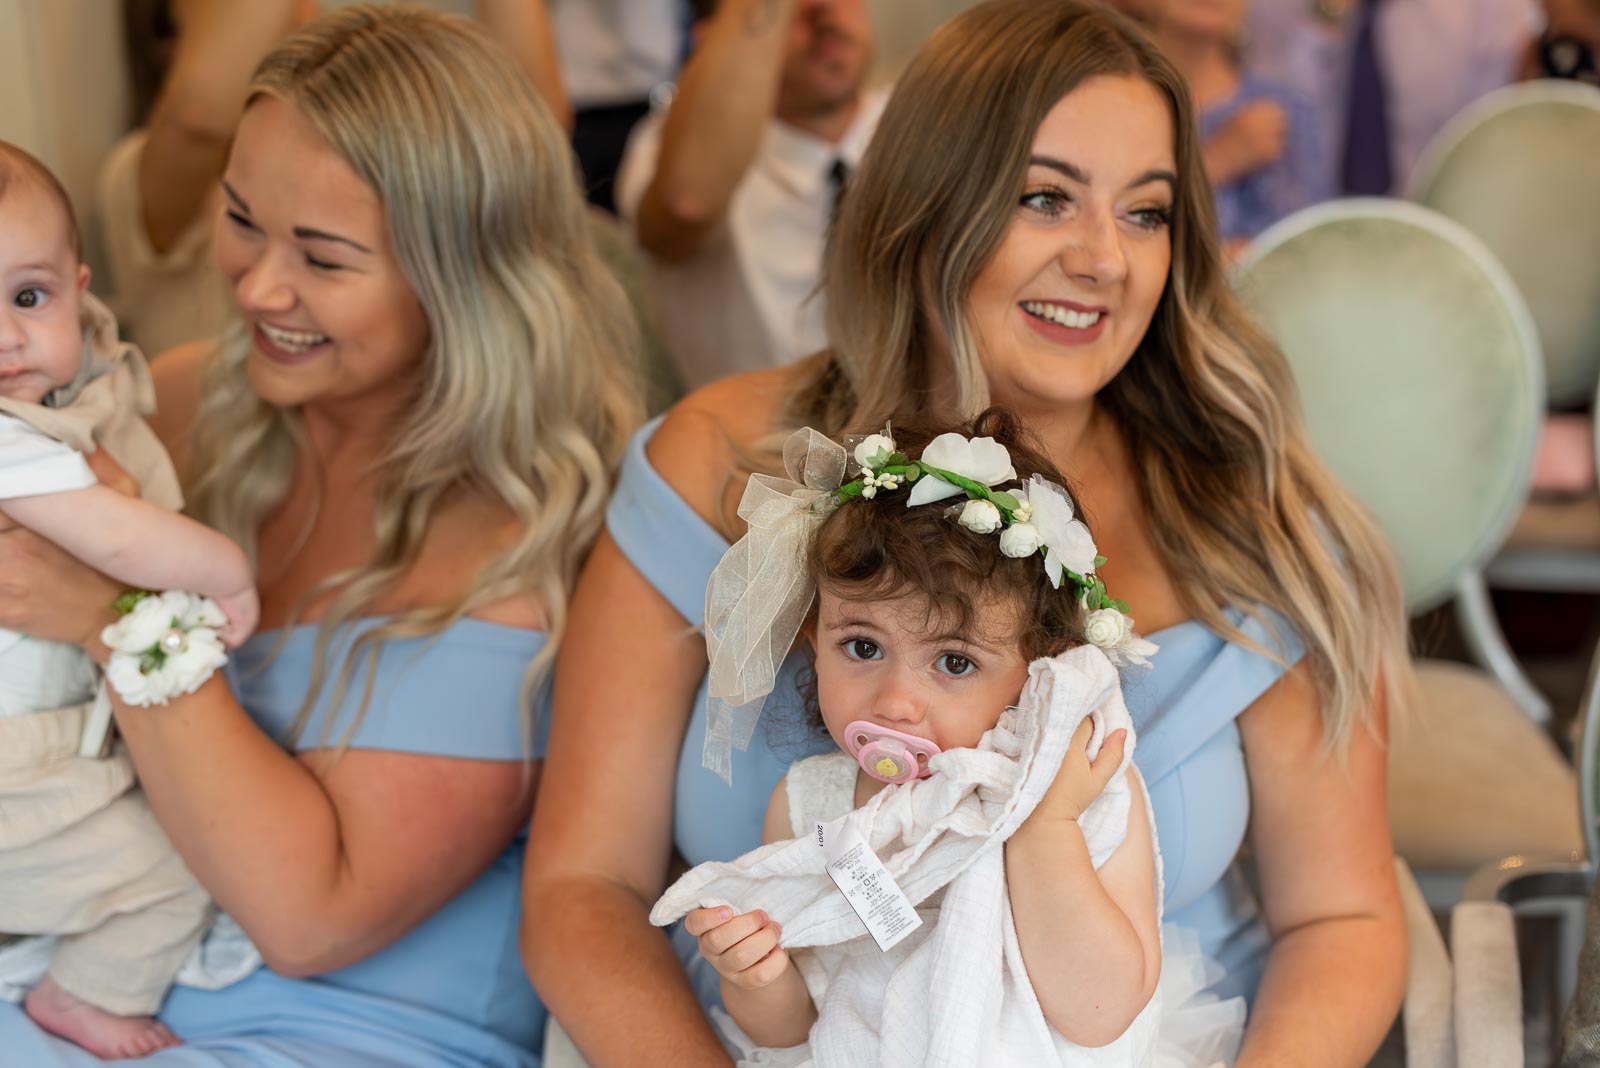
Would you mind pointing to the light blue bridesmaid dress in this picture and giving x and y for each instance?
(452, 992)
(1183, 705)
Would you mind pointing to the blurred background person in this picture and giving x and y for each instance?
(1386, 75)
(1262, 152)
(614, 55)
(732, 189)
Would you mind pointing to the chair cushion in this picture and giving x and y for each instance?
(1472, 780)
(1558, 523)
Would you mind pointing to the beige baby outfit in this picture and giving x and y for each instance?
(81, 855)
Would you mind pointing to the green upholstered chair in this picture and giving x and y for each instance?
(1521, 170)
(1420, 377)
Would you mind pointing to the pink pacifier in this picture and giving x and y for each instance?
(889, 755)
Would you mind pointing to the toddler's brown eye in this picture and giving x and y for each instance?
(956, 665)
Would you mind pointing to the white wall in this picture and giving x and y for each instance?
(64, 82)
(902, 26)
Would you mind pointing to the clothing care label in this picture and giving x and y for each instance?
(866, 884)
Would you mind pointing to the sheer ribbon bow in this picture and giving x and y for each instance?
(759, 595)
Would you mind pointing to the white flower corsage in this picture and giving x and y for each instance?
(164, 646)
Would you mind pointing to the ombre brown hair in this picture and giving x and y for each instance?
(1243, 514)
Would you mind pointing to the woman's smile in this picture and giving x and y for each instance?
(1065, 322)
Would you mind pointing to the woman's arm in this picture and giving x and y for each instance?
(523, 26)
(629, 668)
(220, 42)
(321, 863)
(1089, 938)
(725, 101)
(1320, 835)
(602, 832)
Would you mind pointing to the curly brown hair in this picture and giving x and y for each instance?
(882, 550)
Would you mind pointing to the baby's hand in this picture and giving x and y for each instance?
(243, 610)
(1079, 782)
(743, 949)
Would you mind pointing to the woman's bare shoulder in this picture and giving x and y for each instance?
(177, 374)
(697, 446)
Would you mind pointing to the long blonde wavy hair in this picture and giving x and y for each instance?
(526, 395)
(1243, 513)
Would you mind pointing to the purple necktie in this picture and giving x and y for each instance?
(1367, 169)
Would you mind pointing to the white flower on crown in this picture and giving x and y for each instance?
(981, 517)
(1106, 628)
(983, 460)
(1020, 540)
(1112, 632)
(874, 450)
(1068, 543)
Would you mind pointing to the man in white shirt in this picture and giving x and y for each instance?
(732, 190)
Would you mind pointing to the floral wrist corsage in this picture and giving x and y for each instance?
(164, 646)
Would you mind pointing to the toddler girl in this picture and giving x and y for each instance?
(952, 581)
(81, 856)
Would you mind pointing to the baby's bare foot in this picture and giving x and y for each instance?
(104, 1034)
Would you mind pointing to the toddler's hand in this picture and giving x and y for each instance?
(243, 610)
(1079, 782)
(743, 949)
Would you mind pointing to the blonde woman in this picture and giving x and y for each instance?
(1031, 227)
(412, 433)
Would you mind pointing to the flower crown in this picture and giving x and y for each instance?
(1033, 518)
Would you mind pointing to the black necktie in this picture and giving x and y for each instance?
(838, 179)
(1368, 169)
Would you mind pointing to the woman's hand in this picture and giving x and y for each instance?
(45, 593)
(1080, 781)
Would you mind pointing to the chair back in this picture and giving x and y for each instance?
(1521, 170)
(1418, 371)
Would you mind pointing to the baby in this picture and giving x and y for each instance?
(952, 581)
(81, 856)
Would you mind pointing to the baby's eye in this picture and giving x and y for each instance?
(31, 297)
(956, 665)
(861, 649)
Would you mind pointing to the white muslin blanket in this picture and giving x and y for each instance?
(954, 992)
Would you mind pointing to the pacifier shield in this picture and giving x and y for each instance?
(889, 755)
